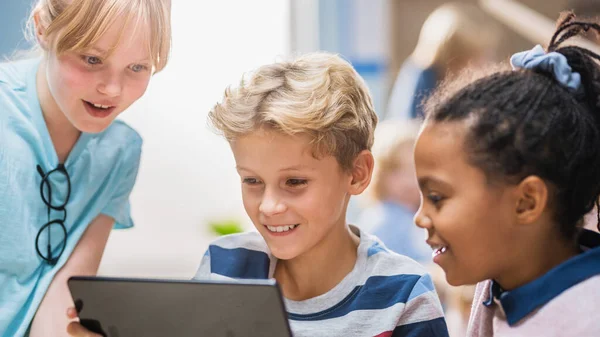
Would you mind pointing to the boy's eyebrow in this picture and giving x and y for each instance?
(291, 168)
(424, 182)
(297, 168)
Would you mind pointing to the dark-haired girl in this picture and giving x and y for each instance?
(508, 165)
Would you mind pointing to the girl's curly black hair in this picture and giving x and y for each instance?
(524, 122)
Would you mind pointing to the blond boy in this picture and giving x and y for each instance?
(301, 133)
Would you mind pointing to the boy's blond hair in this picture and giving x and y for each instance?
(318, 94)
(75, 25)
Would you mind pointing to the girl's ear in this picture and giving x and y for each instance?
(40, 32)
(532, 199)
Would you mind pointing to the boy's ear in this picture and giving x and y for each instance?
(40, 32)
(532, 199)
(362, 170)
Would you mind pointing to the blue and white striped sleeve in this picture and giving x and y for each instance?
(203, 272)
(423, 314)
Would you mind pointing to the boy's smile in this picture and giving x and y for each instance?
(296, 201)
(281, 230)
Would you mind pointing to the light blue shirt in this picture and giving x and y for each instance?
(412, 85)
(102, 169)
(394, 225)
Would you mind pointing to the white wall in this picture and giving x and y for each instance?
(187, 173)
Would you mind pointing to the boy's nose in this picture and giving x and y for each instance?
(271, 206)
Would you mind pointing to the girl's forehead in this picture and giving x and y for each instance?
(131, 25)
(129, 38)
(442, 135)
(441, 143)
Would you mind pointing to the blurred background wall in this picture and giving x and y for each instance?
(409, 16)
(13, 15)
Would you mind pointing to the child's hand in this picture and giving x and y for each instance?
(75, 329)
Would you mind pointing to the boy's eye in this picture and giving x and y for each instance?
(296, 182)
(92, 60)
(136, 68)
(251, 181)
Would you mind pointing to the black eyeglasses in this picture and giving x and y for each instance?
(57, 226)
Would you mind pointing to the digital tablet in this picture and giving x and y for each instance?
(125, 307)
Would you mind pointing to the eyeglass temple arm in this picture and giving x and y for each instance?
(40, 171)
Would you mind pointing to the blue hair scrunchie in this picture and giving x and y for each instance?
(555, 63)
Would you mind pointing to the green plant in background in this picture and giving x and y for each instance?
(225, 227)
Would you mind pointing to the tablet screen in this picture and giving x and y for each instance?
(119, 307)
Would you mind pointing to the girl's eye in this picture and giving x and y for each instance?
(136, 68)
(296, 182)
(92, 60)
(435, 198)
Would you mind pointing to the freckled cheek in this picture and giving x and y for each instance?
(76, 81)
(81, 82)
(69, 70)
(68, 89)
(135, 88)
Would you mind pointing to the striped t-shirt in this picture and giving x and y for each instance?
(385, 294)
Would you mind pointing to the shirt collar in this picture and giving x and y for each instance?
(522, 301)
